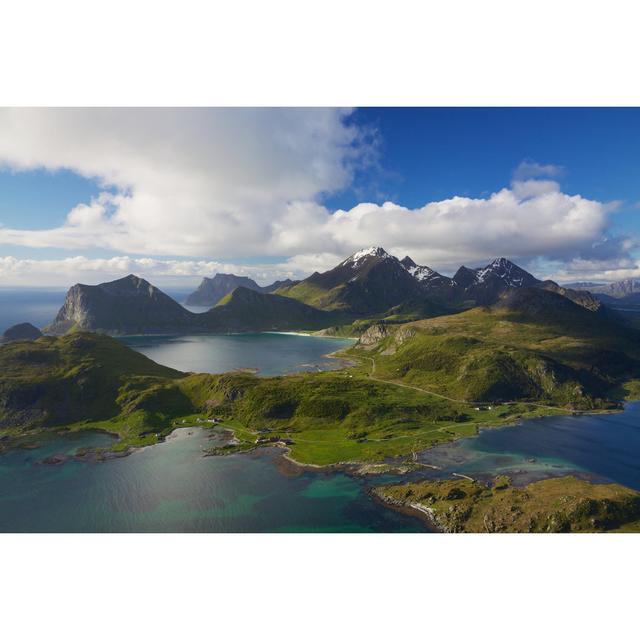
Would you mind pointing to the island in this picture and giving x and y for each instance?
(436, 359)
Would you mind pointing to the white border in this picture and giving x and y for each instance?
(319, 586)
(330, 52)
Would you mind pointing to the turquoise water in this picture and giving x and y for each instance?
(172, 487)
(270, 353)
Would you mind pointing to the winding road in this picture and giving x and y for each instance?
(443, 397)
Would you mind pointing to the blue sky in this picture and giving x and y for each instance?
(268, 181)
(432, 154)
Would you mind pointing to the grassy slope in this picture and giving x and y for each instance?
(85, 381)
(342, 416)
(247, 310)
(316, 296)
(493, 354)
(82, 380)
(555, 505)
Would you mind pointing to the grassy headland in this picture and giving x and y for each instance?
(489, 354)
(548, 506)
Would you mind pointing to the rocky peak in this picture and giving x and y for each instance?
(464, 277)
(362, 256)
(510, 273)
(408, 263)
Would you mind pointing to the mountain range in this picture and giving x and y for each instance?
(369, 284)
(622, 293)
(617, 289)
(131, 306)
(372, 281)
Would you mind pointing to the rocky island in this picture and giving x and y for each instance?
(556, 505)
(22, 331)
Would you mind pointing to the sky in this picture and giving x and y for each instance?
(89, 195)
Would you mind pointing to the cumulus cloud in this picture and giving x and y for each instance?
(227, 183)
(192, 182)
(531, 218)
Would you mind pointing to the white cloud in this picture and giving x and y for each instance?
(193, 182)
(532, 218)
(528, 170)
(230, 183)
(580, 269)
(63, 272)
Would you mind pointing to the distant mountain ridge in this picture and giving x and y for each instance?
(622, 294)
(131, 305)
(371, 283)
(617, 289)
(212, 290)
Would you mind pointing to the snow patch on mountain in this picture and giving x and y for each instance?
(360, 256)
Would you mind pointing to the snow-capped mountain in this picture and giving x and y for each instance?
(359, 258)
(511, 274)
(422, 273)
(367, 282)
(485, 284)
(372, 281)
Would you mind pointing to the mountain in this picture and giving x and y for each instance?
(22, 331)
(546, 306)
(531, 344)
(129, 305)
(211, 290)
(132, 306)
(369, 282)
(623, 295)
(59, 381)
(618, 289)
(583, 298)
(431, 281)
(278, 284)
(485, 284)
(248, 310)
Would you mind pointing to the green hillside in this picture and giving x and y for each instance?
(89, 381)
(540, 347)
(88, 378)
(247, 310)
(417, 384)
(556, 505)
